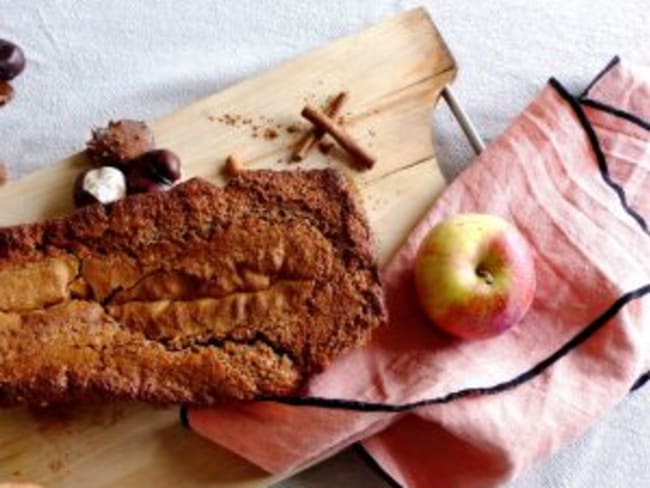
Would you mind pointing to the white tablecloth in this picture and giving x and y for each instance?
(93, 60)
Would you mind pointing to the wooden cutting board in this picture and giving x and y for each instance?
(394, 73)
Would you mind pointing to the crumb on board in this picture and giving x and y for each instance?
(233, 165)
(231, 119)
(325, 146)
(270, 134)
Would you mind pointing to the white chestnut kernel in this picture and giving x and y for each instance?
(99, 185)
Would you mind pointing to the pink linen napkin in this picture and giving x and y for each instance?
(573, 174)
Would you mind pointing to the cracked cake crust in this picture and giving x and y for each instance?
(192, 296)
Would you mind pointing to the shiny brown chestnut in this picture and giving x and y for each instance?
(155, 170)
(12, 60)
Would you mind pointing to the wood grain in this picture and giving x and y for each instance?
(394, 73)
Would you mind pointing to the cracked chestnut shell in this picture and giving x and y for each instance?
(12, 60)
(155, 170)
(119, 142)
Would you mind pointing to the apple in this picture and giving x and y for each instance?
(475, 275)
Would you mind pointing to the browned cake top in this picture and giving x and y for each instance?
(192, 295)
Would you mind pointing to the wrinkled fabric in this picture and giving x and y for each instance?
(507, 402)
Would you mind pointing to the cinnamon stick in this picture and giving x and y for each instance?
(314, 135)
(340, 135)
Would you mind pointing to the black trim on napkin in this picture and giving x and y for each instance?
(641, 381)
(574, 103)
(613, 62)
(630, 117)
(183, 417)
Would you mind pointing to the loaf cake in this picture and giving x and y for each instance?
(193, 296)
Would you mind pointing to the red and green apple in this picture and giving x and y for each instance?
(475, 275)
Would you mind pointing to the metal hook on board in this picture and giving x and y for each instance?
(463, 120)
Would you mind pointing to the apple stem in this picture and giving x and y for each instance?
(486, 275)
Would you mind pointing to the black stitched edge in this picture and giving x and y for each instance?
(600, 156)
(640, 381)
(536, 370)
(630, 117)
(375, 466)
(183, 417)
(613, 62)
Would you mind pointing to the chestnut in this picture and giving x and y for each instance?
(99, 185)
(153, 171)
(6, 93)
(12, 60)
